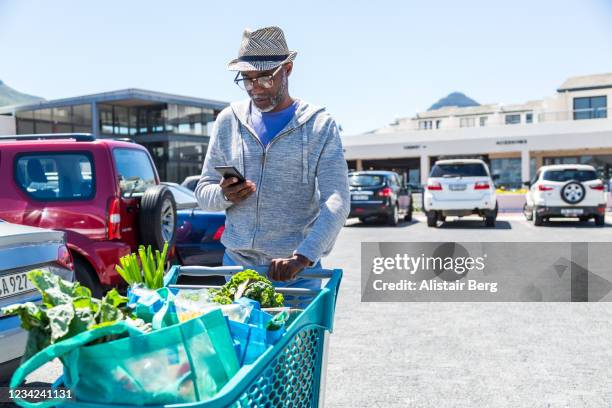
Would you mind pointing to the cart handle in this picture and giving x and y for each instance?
(283, 290)
(171, 277)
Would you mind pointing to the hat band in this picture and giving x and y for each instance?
(255, 58)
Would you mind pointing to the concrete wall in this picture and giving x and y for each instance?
(7, 125)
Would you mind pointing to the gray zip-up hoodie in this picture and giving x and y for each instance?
(302, 198)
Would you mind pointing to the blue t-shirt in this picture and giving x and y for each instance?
(268, 124)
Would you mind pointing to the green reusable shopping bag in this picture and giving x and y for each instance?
(185, 362)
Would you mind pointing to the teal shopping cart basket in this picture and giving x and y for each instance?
(289, 374)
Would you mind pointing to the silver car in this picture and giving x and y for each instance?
(23, 249)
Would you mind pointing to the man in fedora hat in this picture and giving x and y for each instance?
(295, 199)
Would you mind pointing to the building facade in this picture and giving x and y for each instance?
(175, 129)
(573, 126)
(7, 125)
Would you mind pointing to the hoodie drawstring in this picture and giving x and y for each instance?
(304, 156)
(236, 130)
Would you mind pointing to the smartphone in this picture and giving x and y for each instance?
(230, 171)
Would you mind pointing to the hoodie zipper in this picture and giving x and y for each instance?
(263, 165)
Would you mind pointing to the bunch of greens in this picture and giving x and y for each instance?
(67, 309)
(149, 271)
(250, 284)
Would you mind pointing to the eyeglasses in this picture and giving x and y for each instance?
(265, 81)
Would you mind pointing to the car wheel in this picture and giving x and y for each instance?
(583, 218)
(393, 218)
(158, 217)
(362, 219)
(538, 220)
(528, 214)
(86, 276)
(600, 220)
(432, 219)
(490, 221)
(408, 216)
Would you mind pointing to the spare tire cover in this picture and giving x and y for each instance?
(157, 217)
(573, 192)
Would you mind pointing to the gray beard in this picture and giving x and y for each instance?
(275, 100)
(269, 108)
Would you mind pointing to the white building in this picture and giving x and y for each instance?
(573, 126)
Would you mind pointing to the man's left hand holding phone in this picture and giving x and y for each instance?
(234, 186)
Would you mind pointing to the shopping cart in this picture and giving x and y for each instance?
(289, 374)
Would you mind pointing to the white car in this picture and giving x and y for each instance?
(566, 190)
(22, 249)
(460, 188)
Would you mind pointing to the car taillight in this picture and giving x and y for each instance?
(385, 192)
(598, 187)
(218, 233)
(481, 185)
(113, 225)
(434, 186)
(542, 187)
(64, 258)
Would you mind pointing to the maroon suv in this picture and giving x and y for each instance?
(105, 194)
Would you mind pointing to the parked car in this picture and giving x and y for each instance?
(23, 249)
(198, 235)
(105, 194)
(567, 190)
(191, 182)
(460, 188)
(379, 194)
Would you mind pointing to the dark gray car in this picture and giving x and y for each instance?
(22, 249)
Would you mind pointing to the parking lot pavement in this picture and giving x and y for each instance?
(466, 354)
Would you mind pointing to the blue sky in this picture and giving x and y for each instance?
(368, 62)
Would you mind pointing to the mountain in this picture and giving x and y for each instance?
(454, 99)
(9, 96)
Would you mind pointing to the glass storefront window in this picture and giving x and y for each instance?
(184, 159)
(105, 113)
(25, 122)
(81, 118)
(43, 118)
(121, 120)
(509, 172)
(190, 120)
(62, 120)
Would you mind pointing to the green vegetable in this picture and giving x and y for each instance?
(250, 284)
(278, 321)
(67, 309)
(150, 270)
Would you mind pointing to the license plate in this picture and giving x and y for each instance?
(457, 187)
(358, 197)
(572, 211)
(15, 284)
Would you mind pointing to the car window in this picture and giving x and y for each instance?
(135, 171)
(365, 180)
(394, 181)
(192, 184)
(459, 170)
(56, 176)
(569, 174)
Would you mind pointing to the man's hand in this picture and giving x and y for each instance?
(285, 269)
(237, 192)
